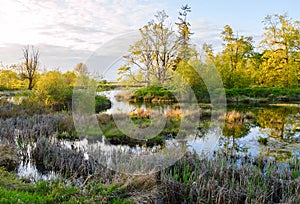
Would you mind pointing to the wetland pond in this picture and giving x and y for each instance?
(271, 130)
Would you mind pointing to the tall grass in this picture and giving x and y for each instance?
(221, 180)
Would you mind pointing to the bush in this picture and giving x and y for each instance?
(153, 92)
(53, 90)
(102, 103)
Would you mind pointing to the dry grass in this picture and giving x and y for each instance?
(232, 117)
(140, 113)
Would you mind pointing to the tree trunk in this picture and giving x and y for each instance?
(30, 85)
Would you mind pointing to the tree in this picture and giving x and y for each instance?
(209, 53)
(70, 77)
(154, 55)
(9, 80)
(30, 65)
(232, 62)
(281, 43)
(184, 31)
(83, 78)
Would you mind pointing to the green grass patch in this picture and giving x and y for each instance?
(14, 190)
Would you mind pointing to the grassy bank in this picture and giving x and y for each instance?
(151, 94)
(15, 190)
(262, 95)
(233, 95)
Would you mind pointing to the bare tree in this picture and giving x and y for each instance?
(30, 65)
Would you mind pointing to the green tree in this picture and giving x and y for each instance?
(209, 53)
(70, 77)
(184, 45)
(232, 61)
(281, 43)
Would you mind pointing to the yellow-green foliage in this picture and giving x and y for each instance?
(10, 80)
(52, 87)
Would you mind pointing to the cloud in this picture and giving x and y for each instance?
(60, 22)
(205, 32)
(67, 30)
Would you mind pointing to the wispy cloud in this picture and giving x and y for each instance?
(62, 28)
(68, 31)
(62, 23)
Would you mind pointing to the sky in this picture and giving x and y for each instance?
(67, 32)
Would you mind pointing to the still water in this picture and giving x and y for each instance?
(270, 130)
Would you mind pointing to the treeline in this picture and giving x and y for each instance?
(163, 56)
(48, 88)
(275, 63)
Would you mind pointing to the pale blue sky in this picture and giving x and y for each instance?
(68, 31)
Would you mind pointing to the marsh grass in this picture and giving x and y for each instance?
(222, 180)
(68, 162)
(8, 157)
(141, 119)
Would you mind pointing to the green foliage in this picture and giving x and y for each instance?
(153, 92)
(184, 31)
(234, 59)
(263, 92)
(154, 55)
(70, 78)
(102, 103)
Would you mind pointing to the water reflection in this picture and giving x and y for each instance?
(242, 130)
(281, 123)
(239, 134)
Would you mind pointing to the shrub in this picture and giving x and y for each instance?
(153, 92)
(52, 88)
(102, 103)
